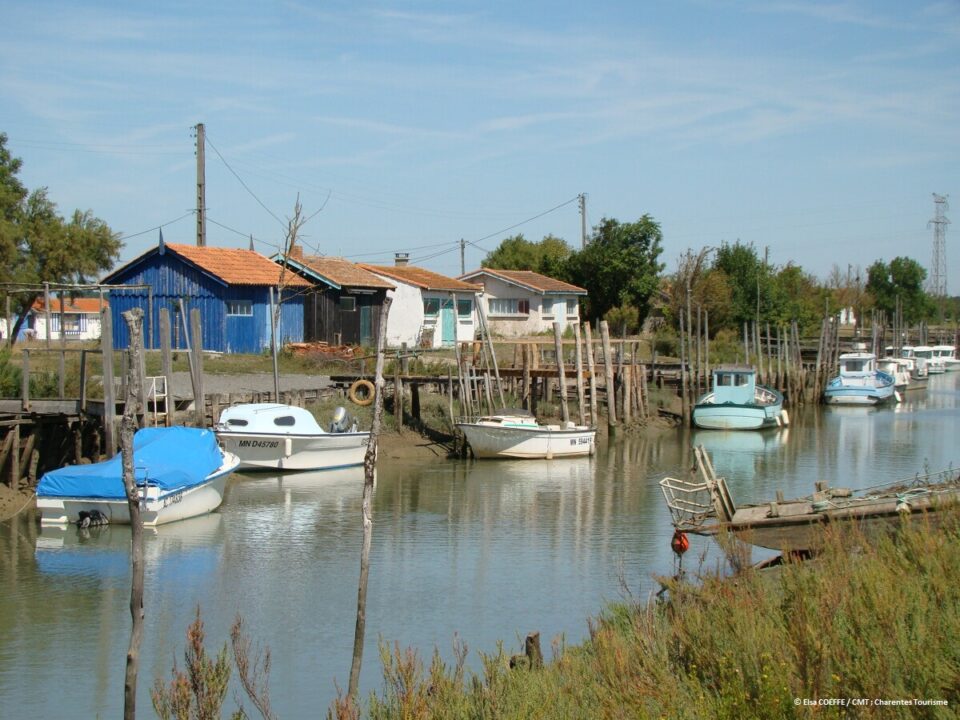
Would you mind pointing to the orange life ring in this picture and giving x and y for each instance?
(361, 393)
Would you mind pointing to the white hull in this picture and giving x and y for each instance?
(542, 442)
(155, 509)
(270, 451)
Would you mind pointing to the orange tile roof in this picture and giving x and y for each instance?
(235, 266)
(424, 279)
(79, 305)
(343, 272)
(530, 279)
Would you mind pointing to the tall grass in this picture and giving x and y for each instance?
(876, 621)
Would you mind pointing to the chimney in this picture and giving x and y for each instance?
(401, 259)
(296, 252)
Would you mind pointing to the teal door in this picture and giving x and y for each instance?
(448, 323)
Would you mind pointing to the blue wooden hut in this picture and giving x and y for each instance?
(231, 287)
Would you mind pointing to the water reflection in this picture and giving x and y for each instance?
(484, 550)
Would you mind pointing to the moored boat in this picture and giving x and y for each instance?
(947, 354)
(180, 473)
(738, 403)
(272, 436)
(704, 506)
(513, 433)
(859, 382)
(934, 363)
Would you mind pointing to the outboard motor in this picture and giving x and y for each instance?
(340, 420)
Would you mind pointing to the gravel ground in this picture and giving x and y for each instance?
(254, 382)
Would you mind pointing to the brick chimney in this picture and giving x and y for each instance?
(296, 252)
(401, 259)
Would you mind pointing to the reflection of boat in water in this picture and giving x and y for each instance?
(738, 403)
(538, 472)
(104, 551)
(704, 506)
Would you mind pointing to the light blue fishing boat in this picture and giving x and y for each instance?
(738, 403)
(860, 382)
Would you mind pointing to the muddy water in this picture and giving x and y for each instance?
(480, 552)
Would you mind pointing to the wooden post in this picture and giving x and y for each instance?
(25, 382)
(625, 408)
(561, 375)
(134, 320)
(15, 458)
(369, 470)
(46, 311)
(525, 400)
(83, 381)
(196, 335)
(453, 418)
(608, 375)
(591, 368)
(397, 394)
(109, 397)
(415, 401)
(581, 399)
(166, 363)
(684, 397)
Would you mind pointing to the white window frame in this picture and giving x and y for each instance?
(239, 308)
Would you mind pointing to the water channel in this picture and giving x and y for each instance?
(478, 552)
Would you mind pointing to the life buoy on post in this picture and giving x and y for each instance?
(361, 393)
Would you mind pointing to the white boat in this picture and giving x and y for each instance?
(947, 354)
(738, 403)
(513, 433)
(899, 369)
(271, 436)
(180, 473)
(934, 363)
(859, 382)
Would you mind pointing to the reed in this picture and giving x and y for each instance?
(873, 621)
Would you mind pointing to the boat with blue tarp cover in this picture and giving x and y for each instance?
(180, 473)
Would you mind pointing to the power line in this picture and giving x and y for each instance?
(162, 225)
(522, 222)
(240, 180)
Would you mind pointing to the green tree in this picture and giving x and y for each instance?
(619, 266)
(750, 280)
(901, 279)
(547, 257)
(796, 295)
(37, 245)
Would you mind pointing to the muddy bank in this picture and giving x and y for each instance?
(13, 502)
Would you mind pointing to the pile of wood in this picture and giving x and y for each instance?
(340, 352)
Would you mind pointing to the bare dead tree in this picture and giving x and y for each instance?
(128, 426)
(369, 468)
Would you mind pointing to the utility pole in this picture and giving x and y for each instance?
(201, 190)
(583, 219)
(463, 264)
(938, 271)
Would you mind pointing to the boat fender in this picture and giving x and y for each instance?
(361, 393)
(679, 543)
(784, 418)
(287, 447)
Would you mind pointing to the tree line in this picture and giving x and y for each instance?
(734, 283)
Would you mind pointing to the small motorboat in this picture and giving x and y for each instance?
(947, 354)
(272, 436)
(935, 364)
(738, 403)
(180, 473)
(513, 433)
(859, 382)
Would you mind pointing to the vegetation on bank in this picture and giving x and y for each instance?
(876, 622)
(864, 630)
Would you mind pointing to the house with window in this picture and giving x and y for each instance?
(429, 310)
(71, 319)
(230, 287)
(523, 302)
(343, 304)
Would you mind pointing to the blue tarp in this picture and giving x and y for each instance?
(172, 458)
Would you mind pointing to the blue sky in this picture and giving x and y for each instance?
(818, 130)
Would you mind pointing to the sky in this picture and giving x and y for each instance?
(817, 131)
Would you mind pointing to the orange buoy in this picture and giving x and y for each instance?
(679, 543)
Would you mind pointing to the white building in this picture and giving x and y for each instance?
(429, 310)
(80, 320)
(523, 302)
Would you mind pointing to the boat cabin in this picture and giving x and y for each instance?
(269, 418)
(735, 384)
(857, 364)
